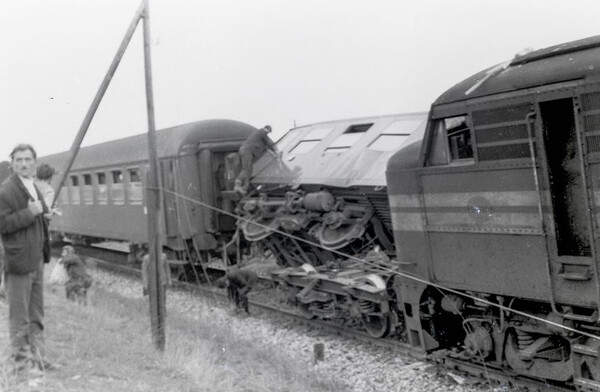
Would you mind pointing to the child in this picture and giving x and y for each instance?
(44, 174)
(79, 281)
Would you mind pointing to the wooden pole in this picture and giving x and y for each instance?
(96, 102)
(156, 290)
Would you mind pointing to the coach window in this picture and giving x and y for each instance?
(74, 190)
(88, 189)
(116, 189)
(311, 139)
(288, 139)
(394, 135)
(349, 138)
(102, 191)
(135, 186)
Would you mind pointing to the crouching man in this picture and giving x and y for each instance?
(239, 282)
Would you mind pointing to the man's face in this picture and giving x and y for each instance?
(23, 163)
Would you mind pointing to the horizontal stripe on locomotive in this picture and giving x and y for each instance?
(475, 222)
(462, 199)
(473, 208)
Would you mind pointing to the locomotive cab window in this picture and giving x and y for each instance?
(349, 138)
(451, 142)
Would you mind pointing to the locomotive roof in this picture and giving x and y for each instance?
(168, 142)
(568, 61)
(352, 152)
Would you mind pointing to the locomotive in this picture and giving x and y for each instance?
(470, 229)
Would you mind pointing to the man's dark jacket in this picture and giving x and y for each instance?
(257, 143)
(25, 236)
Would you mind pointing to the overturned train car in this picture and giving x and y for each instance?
(328, 190)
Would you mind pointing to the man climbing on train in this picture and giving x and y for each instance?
(251, 149)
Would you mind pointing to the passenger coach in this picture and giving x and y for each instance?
(104, 195)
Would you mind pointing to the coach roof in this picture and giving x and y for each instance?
(569, 61)
(169, 141)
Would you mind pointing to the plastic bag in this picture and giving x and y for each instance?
(59, 274)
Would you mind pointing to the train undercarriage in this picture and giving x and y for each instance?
(483, 329)
(498, 331)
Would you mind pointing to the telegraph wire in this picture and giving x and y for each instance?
(386, 269)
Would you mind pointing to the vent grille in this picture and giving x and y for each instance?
(591, 122)
(590, 101)
(501, 115)
(500, 134)
(593, 143)
(509, 151)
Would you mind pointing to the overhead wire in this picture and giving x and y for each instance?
(391, 270)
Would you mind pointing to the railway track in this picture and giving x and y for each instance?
(114, 262)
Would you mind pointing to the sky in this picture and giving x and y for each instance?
(277, 62)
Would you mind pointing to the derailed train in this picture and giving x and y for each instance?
(457, 223)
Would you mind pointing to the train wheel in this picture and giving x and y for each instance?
(376, 326)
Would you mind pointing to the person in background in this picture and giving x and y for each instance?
(44, 175)
(239, 282)
(166, 276)
(79, 281)
(5, 172)
(251, 149)
(24, 233)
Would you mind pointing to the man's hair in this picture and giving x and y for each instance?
(45, 172)
(22, 147)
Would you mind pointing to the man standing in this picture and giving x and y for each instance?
(251, 149)
(24, 232)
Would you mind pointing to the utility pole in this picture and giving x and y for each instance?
(156, 290)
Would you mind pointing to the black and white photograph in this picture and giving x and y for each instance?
(286, 196)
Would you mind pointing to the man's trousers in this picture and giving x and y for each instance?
(25, 295)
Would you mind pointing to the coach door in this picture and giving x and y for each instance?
(169, 199)
(568, 225)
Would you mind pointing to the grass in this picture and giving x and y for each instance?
(106, 346)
